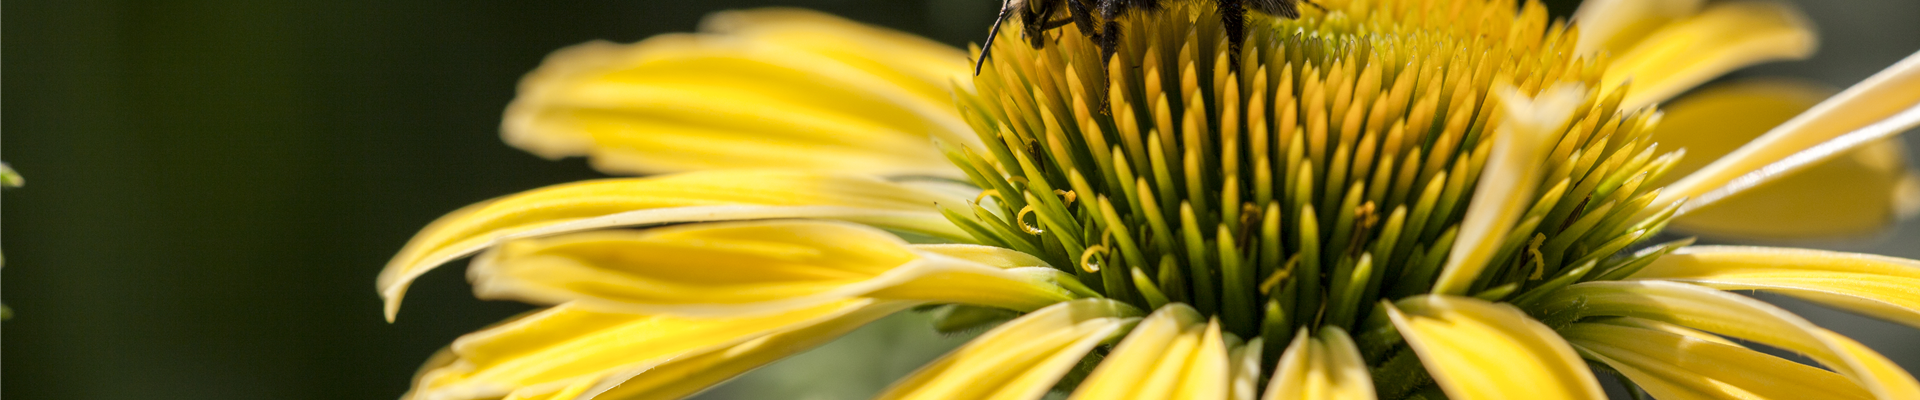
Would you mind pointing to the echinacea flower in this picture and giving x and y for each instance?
(1386, 199)
(8, 179)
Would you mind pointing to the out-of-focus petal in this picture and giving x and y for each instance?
(1506, 188)
(1732, 315)
(1022, 358)
(1481, 350)
(572, 349)
(689, 197)
(1858, 193)
(1879, 286)
(776, 88)
(1879, 107)
(1616, 25)
(1324, 366)
(1677, 367)
(756, 267)
(1696, 49)
(1174, 353)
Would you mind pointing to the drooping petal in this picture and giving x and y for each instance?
(693, 372)
(756, 267)
(1732, 315)
(773, 88)
(1174, 353)
(1881, 106)
(1677, 367)
(690, 197)
(1481, 350)
(1880, 286)
(1696, 49)
(572, 348)
(1616, 25)
(1324, 366)
(1509, 181)
(1022, 358)
(1861, 192)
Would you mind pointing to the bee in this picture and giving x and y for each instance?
(1035, 18)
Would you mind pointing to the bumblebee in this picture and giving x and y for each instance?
(1036, 18)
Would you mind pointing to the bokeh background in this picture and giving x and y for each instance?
(212, 185)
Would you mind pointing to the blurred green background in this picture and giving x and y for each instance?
(212, 185)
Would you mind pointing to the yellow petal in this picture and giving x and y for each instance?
(1507, 186)
(1677, 367)
(1879, 107)
(1246, 370)
(1694, 50)
(1732, 315)
(754, 267)
(1857, 193)
(777, 88)
(698, 196)
(693, 372)
(1324, 366)
(572, 348)
(1174, 354)
(1616, 25)
(1481, 350)
(1874, 285)
(1022, 358)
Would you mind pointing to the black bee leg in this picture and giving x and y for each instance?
(1082, 16)
(987, 48)
(1034, 21)
(1233, 19)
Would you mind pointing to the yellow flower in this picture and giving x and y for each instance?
(8, 179)
(1386, 199)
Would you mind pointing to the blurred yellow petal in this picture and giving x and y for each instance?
(1858, 193)
(1174, 354)
(1511, 174)
(1876, 108)
(1324, 366)
(1616, 25)
(1481, 350)
(778, 88)
(689, 197)
(569, 348)
(1676, 367)
(753, 267)
(1732, 315)
(1694, 50)
(693, 372)
(1246, 376)
(1021, 359)
(1642, 323)
(1879, 286)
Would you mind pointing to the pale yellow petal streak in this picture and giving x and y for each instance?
(765, 88)
(1246, 370)
(693, 372)
(1616, 25)
(755, 267)
(1691, 51)
(1880, 286)
(1677, 367)
(1732, 315)
(569, 348)
(1022, 358)
(689, 197)
(1879, 107)
(1481, 350)
(1324, 366)
(1174, 354)
(1508, 183)
(1858, 193)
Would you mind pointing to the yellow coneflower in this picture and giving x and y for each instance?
(1386, 199)
(8, 179)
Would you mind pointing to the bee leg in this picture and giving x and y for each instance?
(987, 48)
(1233, 19)
(1315, 5)
(1034, 22)
(1082, 16)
